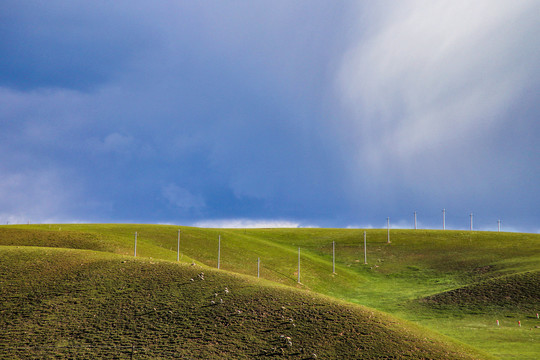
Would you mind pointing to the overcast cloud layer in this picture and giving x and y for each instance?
(276, 113)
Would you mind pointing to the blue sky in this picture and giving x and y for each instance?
(271, 113)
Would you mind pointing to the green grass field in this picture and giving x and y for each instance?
(454, 283)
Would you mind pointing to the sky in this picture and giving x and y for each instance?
(271, 113)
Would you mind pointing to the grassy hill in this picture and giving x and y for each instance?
(86, 304)
(421, 264)
(516, 291)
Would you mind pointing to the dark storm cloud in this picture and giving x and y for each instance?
(247, 113)
(66, 44)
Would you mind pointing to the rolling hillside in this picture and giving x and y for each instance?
(73, 303)
(411, 278)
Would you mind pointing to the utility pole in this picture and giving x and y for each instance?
(365, 249)
(444, 219)
(471, 215)
(415, 221)
(299, 265)
(219, 250)
(178, 247)
(388, 230)
(135, 251)
(333, 257)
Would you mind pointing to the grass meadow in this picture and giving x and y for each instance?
(449, 287)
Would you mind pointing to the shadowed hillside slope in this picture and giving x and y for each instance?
(521, 291)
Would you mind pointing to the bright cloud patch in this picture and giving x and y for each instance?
(36, 196)
(431, 72)
(246, 224)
